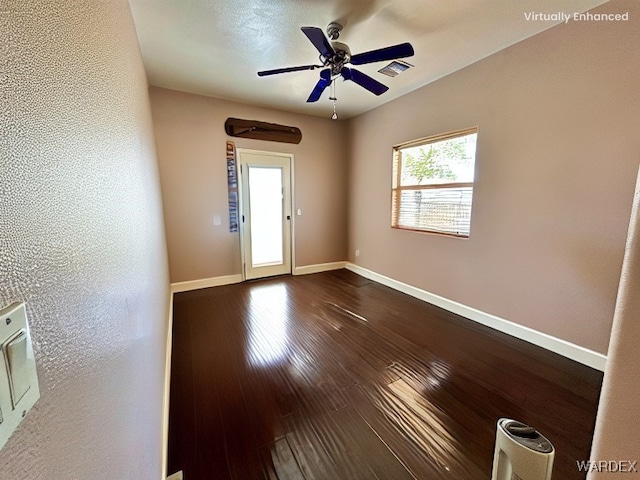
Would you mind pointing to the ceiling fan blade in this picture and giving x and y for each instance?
(364, 80)
(401, 50)
(323, 83)
(317, 37)
(288, 69)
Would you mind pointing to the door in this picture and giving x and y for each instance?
(265, 213)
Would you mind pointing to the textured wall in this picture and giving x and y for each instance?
(558, 116)
(82, 240)
(191, 144)
(616, 433)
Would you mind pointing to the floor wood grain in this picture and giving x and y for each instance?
(331, 376)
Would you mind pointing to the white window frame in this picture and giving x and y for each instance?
(462, 188)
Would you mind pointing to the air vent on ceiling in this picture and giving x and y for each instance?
(395, 68)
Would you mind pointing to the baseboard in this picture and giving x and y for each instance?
(178, 287)
(205, 283)
(562, 347)
(167, 384)
(320, 267)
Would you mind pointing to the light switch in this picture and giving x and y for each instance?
(19, 390)
(16, 353)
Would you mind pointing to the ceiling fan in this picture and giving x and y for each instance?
(335, 57)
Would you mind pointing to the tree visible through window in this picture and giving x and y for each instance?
(433, 183)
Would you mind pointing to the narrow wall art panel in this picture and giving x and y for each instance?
(232, 181)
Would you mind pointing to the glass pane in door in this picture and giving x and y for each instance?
(265, 203)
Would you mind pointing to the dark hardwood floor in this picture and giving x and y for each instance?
(332, 376)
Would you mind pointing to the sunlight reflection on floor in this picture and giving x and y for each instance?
(268, 332)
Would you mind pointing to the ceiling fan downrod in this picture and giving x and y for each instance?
(333, 30)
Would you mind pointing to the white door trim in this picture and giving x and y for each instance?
(288, 205)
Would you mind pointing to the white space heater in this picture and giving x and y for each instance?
(521, 453)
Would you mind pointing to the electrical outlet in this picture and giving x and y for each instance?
(357, 253)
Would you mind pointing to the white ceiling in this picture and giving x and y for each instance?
(216, 47)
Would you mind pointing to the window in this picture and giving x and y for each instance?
(433, 183)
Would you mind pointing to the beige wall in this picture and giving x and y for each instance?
(558, 147)
(191, 144)
(82, 240)
(616, 432)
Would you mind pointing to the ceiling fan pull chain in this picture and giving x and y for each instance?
(333, 97)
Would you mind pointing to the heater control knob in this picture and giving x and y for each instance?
(521, 430)
(526, 436)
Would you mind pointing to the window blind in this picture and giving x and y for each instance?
(441, 209)
(432, 187)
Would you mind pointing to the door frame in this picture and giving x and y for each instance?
(241, 205)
